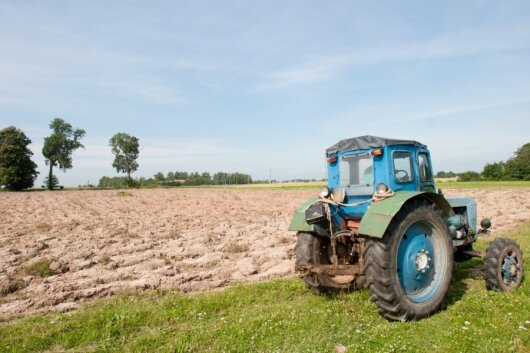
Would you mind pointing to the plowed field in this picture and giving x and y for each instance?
(99, 243)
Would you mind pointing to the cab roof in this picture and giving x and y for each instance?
(368, 141)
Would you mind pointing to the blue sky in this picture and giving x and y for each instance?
(251, 86)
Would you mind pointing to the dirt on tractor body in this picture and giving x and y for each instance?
(59, 249)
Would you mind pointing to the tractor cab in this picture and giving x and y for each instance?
(360, 164)
(359, 167)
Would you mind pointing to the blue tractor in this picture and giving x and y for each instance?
(380, 223)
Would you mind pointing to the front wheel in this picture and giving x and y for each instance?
(503, 265)
(409, 270)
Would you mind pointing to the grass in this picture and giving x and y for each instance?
(124, 193)
(483, 184)
(282, 186)
(38, 268)
(283, 316)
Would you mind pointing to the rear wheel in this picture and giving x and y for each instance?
(503, 265)
(409, 270)
(313, 250)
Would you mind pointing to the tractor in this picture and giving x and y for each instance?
(381, 223)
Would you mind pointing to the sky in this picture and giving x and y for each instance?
(264, 87)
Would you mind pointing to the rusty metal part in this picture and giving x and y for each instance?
(473, 253)
(330, 270)
(353, 225)
(334, 257)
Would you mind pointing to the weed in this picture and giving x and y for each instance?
(38, 268)
(124, 193)
(12, 285)
(104, 259)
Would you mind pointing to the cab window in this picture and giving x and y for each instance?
(356, 170)
(402, 166)
(425, 168)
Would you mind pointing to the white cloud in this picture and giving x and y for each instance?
(454, 44)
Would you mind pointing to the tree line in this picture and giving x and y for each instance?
(18, 171)
(515, 168)
(177, 178)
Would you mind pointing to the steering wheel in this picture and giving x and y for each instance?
(401, 175)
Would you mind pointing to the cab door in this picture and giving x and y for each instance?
(426, 180)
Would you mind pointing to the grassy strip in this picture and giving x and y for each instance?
(283, 316)
(483, 184)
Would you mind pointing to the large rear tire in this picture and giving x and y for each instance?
(409, 270)
(313, 250)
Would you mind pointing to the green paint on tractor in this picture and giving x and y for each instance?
(298, 223)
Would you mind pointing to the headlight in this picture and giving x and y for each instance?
(381, 188)
(324, 192)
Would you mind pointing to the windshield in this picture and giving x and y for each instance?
(356, 170)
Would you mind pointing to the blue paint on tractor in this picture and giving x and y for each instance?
(509, 269)
(467, 207)
(417, 264)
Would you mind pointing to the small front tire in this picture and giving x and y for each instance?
(503, 265)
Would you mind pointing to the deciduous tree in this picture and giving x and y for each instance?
(518, 167)
(17, 170)
(493, 171)
(59, 146)
(126, 149)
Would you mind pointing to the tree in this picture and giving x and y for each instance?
(59, 146)
(493, 171)
(159, 177)
(126, 150)
(518, 167)
(17, 170)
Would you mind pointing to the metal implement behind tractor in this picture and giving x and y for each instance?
(380, 223)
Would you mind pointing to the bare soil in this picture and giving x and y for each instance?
(98, 243)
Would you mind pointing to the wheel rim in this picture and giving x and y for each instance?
(510, 269)
(421, 261)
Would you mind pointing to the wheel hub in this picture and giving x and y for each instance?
(423, 261)
(510, 268)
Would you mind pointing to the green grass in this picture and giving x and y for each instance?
(316, 185)
(124, 193)
(38, 268)
(483, 184)
(283, 316)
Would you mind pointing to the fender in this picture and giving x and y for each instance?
(379, 214)
(298, 222)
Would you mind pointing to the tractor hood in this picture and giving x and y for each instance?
(365, 142)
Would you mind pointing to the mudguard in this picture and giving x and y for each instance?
(379, 215)
(298, 223)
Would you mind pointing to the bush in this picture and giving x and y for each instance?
(469, 176)
(55, 182)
